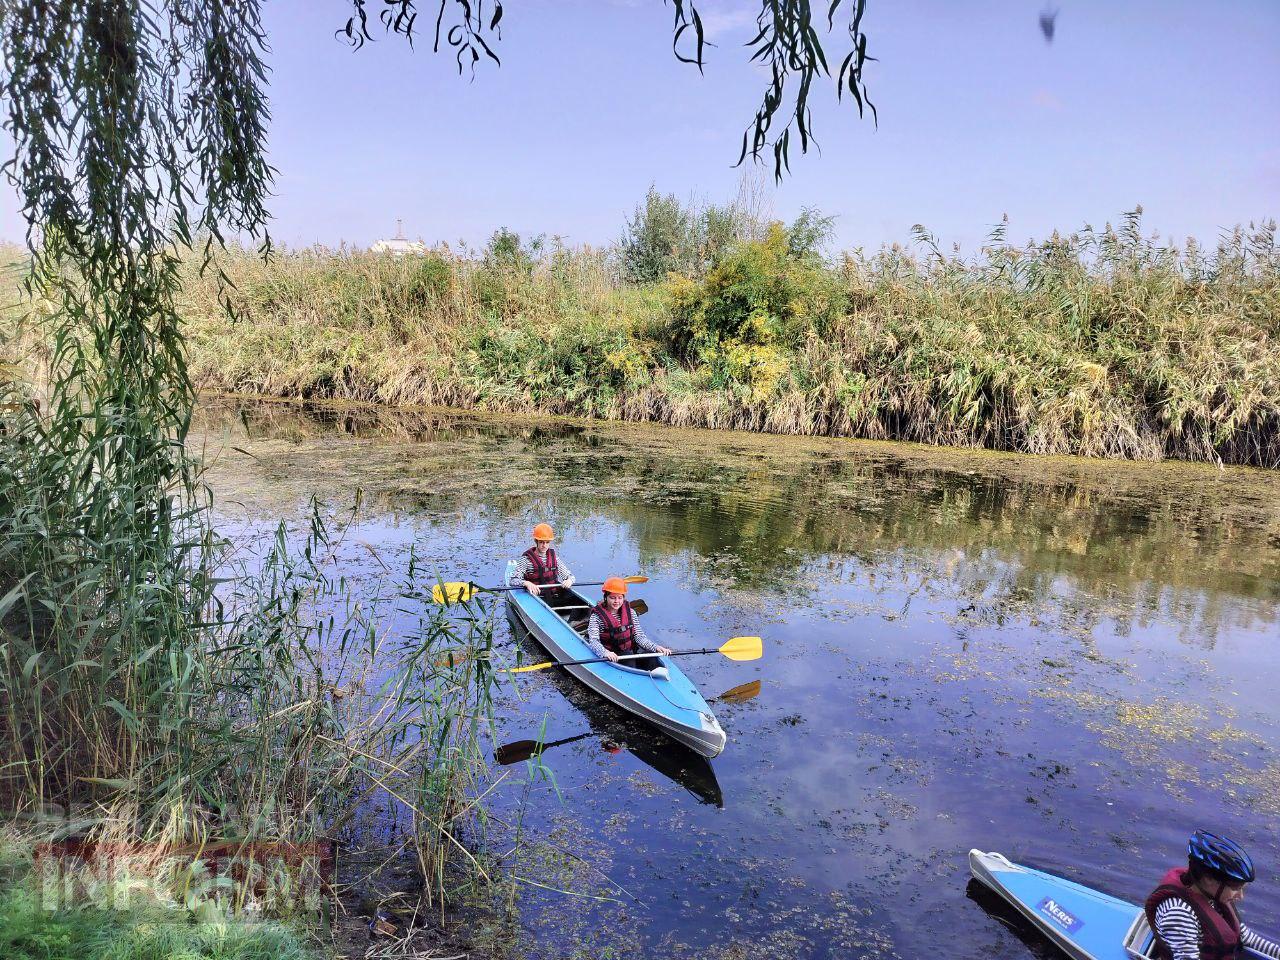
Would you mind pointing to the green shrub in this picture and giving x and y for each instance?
(504, 276)
(429, 281)
(756, 307)
(664, 236)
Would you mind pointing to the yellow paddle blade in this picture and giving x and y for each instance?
(532, 667)
(743, 648)
(636, 579)
(452, 592)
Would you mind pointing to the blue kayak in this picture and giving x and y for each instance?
(1084, 923)
(665, 698)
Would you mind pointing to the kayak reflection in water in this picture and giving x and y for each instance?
(1193, 911)
(613, 631)
(539, 567)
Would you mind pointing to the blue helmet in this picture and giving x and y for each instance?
(1221, 856)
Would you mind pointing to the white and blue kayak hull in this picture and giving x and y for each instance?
(672, 704)
(1084, 923)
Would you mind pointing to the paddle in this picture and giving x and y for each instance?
(510, 753)
(638, 607)
(735, 648)
(521, 750)
(458, 592)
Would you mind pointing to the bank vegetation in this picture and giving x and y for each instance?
(1100, 343)
(171, 699)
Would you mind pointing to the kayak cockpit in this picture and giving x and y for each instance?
(571, 607)
(1140, 942)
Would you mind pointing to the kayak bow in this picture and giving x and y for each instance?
(1085, 924)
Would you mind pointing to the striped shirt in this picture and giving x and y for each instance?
(524, 568)
(593, 635)
(1179, 928)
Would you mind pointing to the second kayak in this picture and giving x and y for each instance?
(1085, 923)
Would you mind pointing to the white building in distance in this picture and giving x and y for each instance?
(398, 246)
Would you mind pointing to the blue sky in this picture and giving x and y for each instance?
(1171, 104)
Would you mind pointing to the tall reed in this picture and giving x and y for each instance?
(149, 688)
(156, 685)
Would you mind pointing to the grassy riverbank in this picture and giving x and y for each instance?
(1102, 344)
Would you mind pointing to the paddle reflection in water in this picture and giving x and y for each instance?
(739, 694)
(674, 761)
(522, 750)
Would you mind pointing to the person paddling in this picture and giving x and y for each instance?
(1193, 911)
(539, 567)
(613, 631)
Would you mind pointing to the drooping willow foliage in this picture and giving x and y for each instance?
(139, 131)
(787, 43)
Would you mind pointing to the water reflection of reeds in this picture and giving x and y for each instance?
(942, 625)
(1122, 543)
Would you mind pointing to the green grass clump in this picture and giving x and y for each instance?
(146, 931)
(29, 932)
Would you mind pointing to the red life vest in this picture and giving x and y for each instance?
(1219, 925)
(617, 633)
(543, 571)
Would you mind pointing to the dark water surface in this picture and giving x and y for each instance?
(1072, 662)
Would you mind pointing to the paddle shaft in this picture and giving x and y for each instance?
(462, 592)
(541, 586)
(625, 656)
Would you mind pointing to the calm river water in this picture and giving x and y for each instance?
(1073, 662)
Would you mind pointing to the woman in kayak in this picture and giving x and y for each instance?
(1193, 911)
(539, 566)
(612, 630)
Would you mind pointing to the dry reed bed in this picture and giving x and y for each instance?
(1105, 345)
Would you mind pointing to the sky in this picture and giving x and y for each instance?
(1171, 104)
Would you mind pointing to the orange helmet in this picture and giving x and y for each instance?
(543, 531)
(615, 585)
